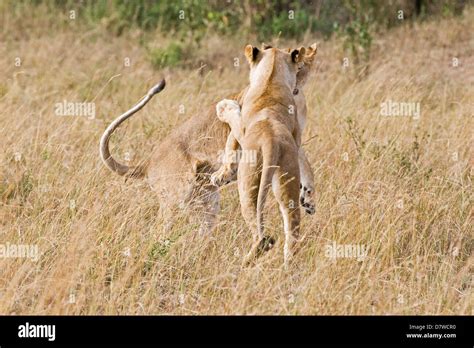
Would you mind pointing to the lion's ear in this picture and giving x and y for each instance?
(312, 50)
(298, 55)
(251, 53)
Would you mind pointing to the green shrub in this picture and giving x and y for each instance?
(191, 20)
(170, 56)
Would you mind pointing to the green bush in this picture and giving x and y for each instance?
(169, 56)
(191, 19)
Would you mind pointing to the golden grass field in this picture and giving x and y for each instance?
(402, 187)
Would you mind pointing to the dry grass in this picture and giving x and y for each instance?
(399, 186)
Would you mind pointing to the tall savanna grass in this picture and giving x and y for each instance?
(400, 186)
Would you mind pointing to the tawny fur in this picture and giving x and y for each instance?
(226, 172)
(269, 128)
(179, 167)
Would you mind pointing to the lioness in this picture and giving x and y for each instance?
(227, 171)
(268, 126)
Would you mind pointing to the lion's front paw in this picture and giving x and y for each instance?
(226, 107)
(307, 200)
(222, 176)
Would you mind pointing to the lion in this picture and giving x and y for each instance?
(180, 166)
(268, 126)
(227, 171)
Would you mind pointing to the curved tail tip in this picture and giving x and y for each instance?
(157, 88)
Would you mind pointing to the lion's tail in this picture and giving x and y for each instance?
(109, 161)
(270, 153)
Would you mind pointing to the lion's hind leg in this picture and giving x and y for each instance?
(285, 186)
(248, 181)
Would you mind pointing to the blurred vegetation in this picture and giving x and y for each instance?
(288, 18)
(189, 21)
(170, 55)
